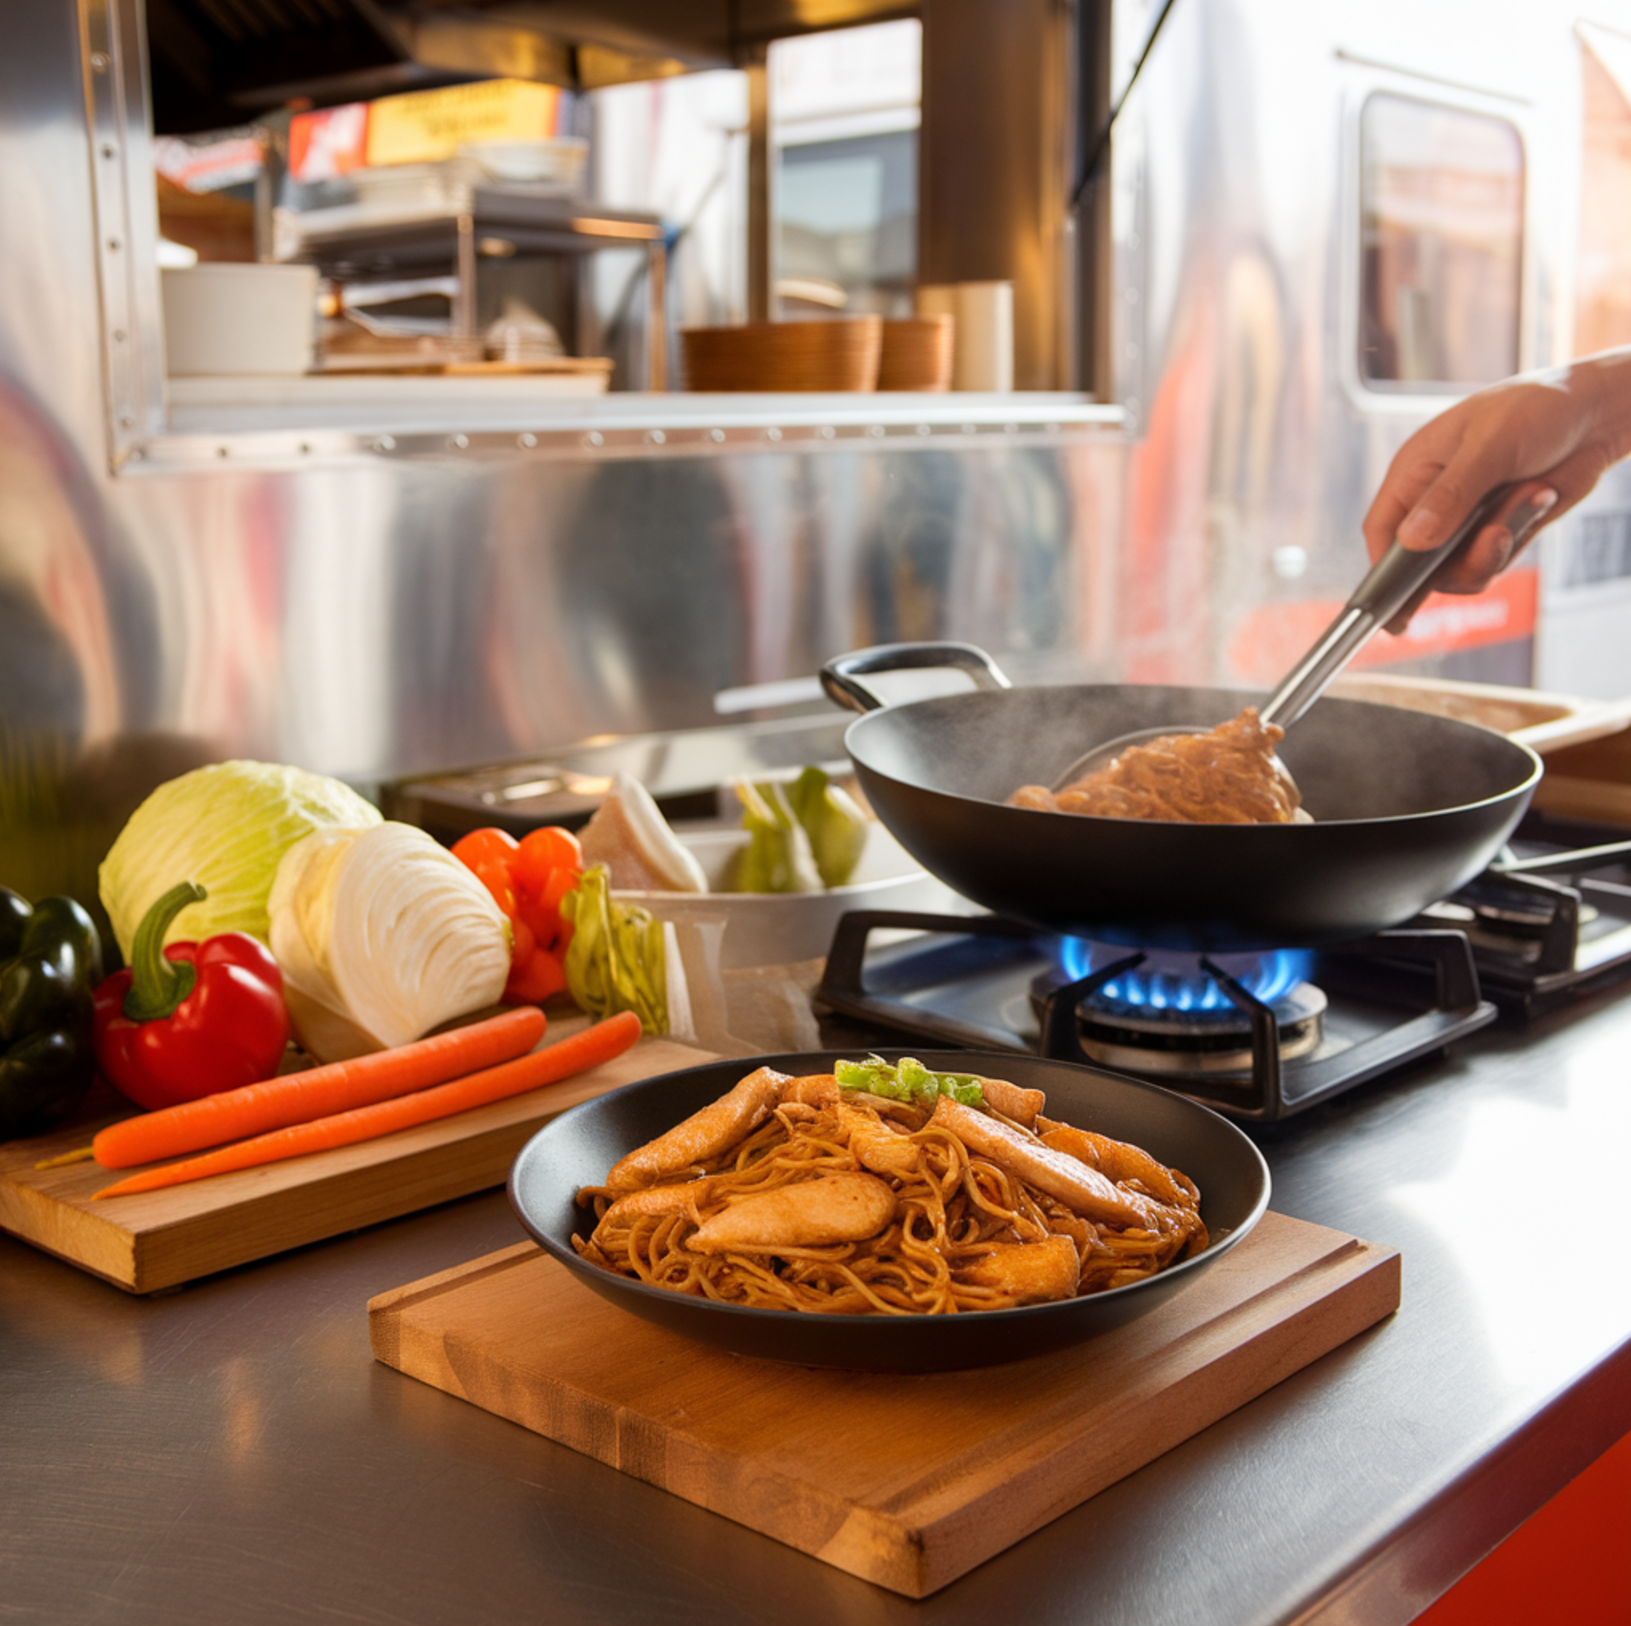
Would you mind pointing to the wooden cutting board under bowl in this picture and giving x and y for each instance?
(906, 1481)
(160, 1239)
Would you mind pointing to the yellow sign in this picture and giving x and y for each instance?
(426, 126)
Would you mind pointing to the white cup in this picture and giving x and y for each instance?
(985, 337)
(241, 318)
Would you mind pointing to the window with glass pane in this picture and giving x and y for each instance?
(844, 109)
(1441, 200)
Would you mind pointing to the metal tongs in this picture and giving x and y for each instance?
(1395, 586)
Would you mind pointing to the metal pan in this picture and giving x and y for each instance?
(581, 1145)
(1407, 807)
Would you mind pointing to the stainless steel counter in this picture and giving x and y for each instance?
(231, 1453)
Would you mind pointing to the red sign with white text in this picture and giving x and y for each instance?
(1274, 635)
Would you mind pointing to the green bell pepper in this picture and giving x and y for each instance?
(50, 964)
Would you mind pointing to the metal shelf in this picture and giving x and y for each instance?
(296, 421)
(358, 242)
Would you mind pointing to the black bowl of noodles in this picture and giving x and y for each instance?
(578, 1148)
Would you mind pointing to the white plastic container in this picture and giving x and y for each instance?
(239, 318)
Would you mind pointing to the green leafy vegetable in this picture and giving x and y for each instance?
(227, 827)
(908, 1080)
(777, 857)
(801, 837)
(616, 960)
(835, 825)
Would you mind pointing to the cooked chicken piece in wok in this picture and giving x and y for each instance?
(1228, 775)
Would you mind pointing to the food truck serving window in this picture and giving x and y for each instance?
(1441, 201)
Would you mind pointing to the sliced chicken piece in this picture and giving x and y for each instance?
(1031, 1272)
(1119, 1161)
(1013, 1102)
(1080, 1188)
(835, 1208)
(703, 1135)
(654, 1200)
(876, 1147)
(812, 1090)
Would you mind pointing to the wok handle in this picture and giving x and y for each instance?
(841, 676)
(1397, 583)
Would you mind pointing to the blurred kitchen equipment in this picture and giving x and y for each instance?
(554, 164)
(239, 318)
(519, 333)
(1395, 585)
(917, 353)
(829, 355)
(1407, 808)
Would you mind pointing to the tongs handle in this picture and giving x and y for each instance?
(1396, 585)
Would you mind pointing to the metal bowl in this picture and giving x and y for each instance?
(578, 1148)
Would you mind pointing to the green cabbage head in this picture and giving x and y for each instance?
(226, 827)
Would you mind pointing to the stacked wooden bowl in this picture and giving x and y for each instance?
(917, 353)
(839, 353)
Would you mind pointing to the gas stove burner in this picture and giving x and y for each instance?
(1249, 1048)
(1153, 1012)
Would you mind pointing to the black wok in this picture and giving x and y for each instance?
(581, 1145)
(1407, 807)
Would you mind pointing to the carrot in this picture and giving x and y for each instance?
(594, 1045)
(299, 1097)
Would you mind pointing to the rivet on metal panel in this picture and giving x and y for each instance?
(924, 429)
(528, 440)
(118, 335)
(109, 150)
(716, 435)
(114, 244)
(657, 437)
(594, 438)
(826, 431)
(970, 429)
(99, 62)
(385, 443)
(875, 430)
(773, 433)
(127, 420)
(1010, 429)
(223, 451)
(305, 448)
(459, 442)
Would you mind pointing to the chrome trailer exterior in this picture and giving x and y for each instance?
(426, 587)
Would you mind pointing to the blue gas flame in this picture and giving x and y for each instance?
(1176, 982)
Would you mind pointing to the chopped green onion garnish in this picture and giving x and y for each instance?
(909, 1080)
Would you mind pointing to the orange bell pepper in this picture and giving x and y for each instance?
(527, 880)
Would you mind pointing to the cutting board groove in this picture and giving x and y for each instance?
(908, 1482)
(161, 1239)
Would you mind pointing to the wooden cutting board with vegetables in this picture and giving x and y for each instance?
(309, 1011)
(158, 1239)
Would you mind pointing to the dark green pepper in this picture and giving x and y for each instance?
(50, 964)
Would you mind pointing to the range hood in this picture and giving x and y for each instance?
(217, 63)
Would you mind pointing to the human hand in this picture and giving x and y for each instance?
(1549, 435)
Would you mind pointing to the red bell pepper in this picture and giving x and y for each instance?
(191, 1019)
(527, 880)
